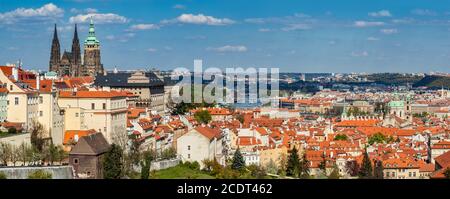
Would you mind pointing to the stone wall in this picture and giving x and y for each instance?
(164, 164)
(58, 172)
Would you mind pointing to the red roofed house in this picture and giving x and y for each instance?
(201, 143)
(438, 149)
(32, 99)
(441, 166)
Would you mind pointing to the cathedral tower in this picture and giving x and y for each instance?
(76, 54)
(92, 61)
(55, 54)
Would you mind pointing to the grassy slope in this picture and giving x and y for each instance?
(181, 172)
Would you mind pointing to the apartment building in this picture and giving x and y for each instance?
(103, 111)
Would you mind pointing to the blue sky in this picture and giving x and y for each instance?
(294, 35)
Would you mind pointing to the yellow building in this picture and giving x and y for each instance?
(103, 111)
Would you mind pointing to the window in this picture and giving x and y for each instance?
(41, 113)
(41, 100)
(75, 160)
(387, 174)
(77, 114)
(189, 156)
(16, 101)
(10, 87)
(189, 147)
(104, 106)
(409, 174)
(92, 106)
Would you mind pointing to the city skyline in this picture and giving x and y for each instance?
(349, 36)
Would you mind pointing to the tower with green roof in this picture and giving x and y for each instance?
(92, 58)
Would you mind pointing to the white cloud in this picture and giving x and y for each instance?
(362, 24)
(13, 48)
(389, 31)
(229, 48)
(110, 37)
(293, 27)
(200, 19)
(143, 27)
(44, 13)
(332, 42)
(372, 39)
(152, 50)
(90, 10)
(264, 30)
(424, 12)
(286, 20)
(359, 54)
(403, 21)
(106, 18)
(179, 6)
(87, 10)
(168, 48)
(381, 13)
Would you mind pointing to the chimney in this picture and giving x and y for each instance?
(38, 81)
(74, 91)
(15, 73)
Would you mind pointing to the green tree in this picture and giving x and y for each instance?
(272, 167)
(323, 165)
(12, 130)
(257, 172)
(366, 170)
(51, 153)
(203, 116)
(334, 173)
(304, 167)
(146, 163)
(37, 136)
(135, 153)
(61, 154)
(40, 174)
(240, 118)
(340, 137)
(22, 153)
(169, 153)
(293, 163)
(3, 176)
(5, 153)
(377, 138)
(238, 162)
(112, 163)
(447, 173)
(378, 170)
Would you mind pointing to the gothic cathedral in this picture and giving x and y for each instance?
(70, 63)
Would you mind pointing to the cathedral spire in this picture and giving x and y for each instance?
(76, 53)
(55, 34)
(55, 54)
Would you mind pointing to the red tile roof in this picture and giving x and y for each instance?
(208, 132)
(69, 135)
(91, 94)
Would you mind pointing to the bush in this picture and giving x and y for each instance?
(40, 174)
(12, 130)
(194, 165)
(2, 176)
(169, 153)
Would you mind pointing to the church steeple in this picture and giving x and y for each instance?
(92, 57)
(76, 52)
(55, 54)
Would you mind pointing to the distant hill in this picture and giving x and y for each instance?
(393, 78)
(434, 81)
